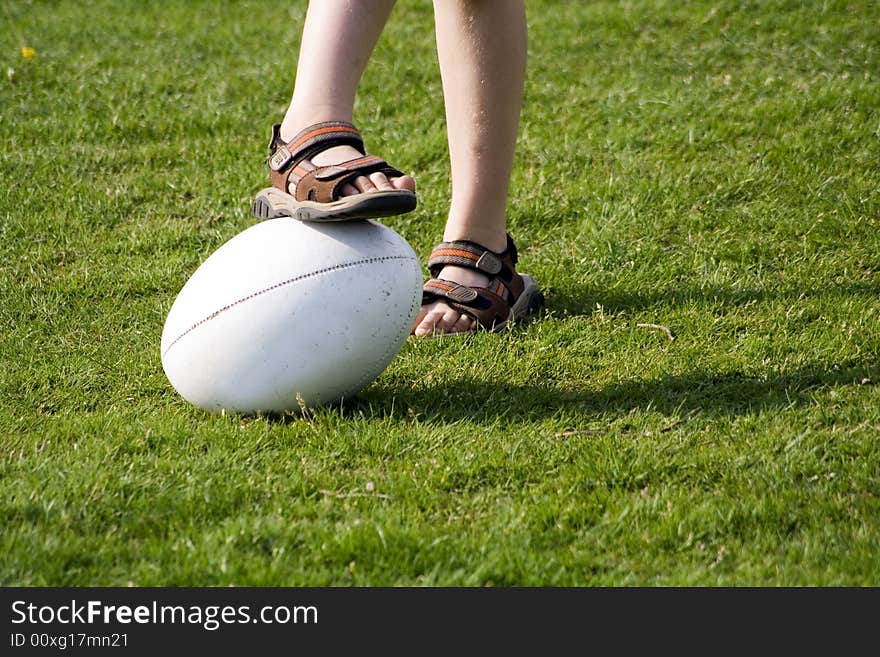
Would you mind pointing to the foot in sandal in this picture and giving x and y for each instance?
(485, 293)
(324, 174)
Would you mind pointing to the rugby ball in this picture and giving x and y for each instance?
(290, 314)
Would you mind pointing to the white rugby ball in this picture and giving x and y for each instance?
(290, 314)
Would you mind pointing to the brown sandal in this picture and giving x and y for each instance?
(307, 192)
(508, 297)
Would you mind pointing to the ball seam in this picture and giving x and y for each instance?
(289, 281)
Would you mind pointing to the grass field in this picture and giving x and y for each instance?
(710, 166)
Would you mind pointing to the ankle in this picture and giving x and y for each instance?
(472, 222)
(295, 119)
(463, 276)
(492, 239)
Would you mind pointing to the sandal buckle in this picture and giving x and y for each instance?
(280, 158)
(489, 263)
(462, 294)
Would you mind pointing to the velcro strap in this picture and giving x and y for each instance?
(324, 184)
(310, 141)
(450, 290)
(362, 165)
(465, 254)
(485, 305)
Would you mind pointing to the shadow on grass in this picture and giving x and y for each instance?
(583, 302)
(725, 394)
(728, 393)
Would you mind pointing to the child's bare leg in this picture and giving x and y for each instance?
(481, 46)
(337, 41)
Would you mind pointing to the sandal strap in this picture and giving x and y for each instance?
(470, 255)
(488, 306)
(311, 141)
(464, 253)
(290, 162)
(322, 184)
(464, 293)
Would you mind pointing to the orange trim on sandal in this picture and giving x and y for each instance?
(455, 252)
(321, 131)
(440, 285)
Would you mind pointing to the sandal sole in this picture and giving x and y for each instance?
(272, 203)
(527, 305)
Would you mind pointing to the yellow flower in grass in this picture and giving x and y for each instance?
(27, 52)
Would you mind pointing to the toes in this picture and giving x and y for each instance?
(404, 182)
(443, 319)
(448, 321)
(428, 325)
(378, 182)
(381, 182)
(359, 185)
(364, 184)
(463, 324)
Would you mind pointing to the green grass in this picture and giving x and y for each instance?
(712, 167)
